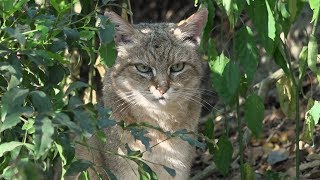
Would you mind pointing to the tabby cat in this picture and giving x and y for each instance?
(156, 79)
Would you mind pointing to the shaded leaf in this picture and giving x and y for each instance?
(110, 175)
(16, 34)
(209, 132)
(171, 171)
(78, 166)
(247, 52)
(223, 155)
(254, 114)
(85, 122)
(43, 135)
(139, 134)
(225, 78)
(41, 102)
(71, 35)
(192, 141)
(75, 86)
(64, 120)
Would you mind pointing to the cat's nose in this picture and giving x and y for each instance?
(163, 88)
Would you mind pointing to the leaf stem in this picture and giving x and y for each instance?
(240, 137)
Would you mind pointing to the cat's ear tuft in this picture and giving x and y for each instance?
(124, 30)
(190, 29)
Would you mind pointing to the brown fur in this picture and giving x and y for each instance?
(136, 97)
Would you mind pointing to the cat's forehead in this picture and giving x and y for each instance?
(155, 28)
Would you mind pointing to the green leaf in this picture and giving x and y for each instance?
(11, 107)
(9, 146)
(171, 171)
(16, 34)
(279, 59)
(223, 155)
(145, 171)
(263, 19)
(254, 114)
(106, 31)
(233, 9)
(78, 166)
(315, 6)
(75, 86)
(43, 135)
(192, 141)
(67, 147)
(225, 78)
(139, 134)
(86, 35)
(63, 119)
(287, 96)
(55, 74)
(303, 62)
(60, 5)
(41, 102)
(108, 53)
(85, 122)
(312, 53)
(312, 119)
(110, 175)
(71, 35)
(206, 33)
(248, 172)
(209, 132)
(247, 52)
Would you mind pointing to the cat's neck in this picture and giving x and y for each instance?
(169, 118)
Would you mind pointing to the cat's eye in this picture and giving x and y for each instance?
(177, 67)
(143, 69)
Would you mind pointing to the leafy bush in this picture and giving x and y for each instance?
(43, 44)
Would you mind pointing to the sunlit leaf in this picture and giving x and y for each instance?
(315, 6)
(312, 119)
(248, 173)
(287, 96)
(9, 146)
(312, 53)
(263, 19)
(145, 172)
(225, 78)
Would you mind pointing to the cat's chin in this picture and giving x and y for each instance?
(162, 102)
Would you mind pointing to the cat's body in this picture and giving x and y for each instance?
(155, 79)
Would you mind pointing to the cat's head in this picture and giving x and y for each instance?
(158, 64)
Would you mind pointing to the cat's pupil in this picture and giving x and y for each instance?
(177, 67)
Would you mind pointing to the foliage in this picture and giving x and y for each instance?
(43, 43)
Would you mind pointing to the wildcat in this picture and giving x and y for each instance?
(156, 79)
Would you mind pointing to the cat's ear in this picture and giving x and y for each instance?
(190, 29)
(124, 31)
